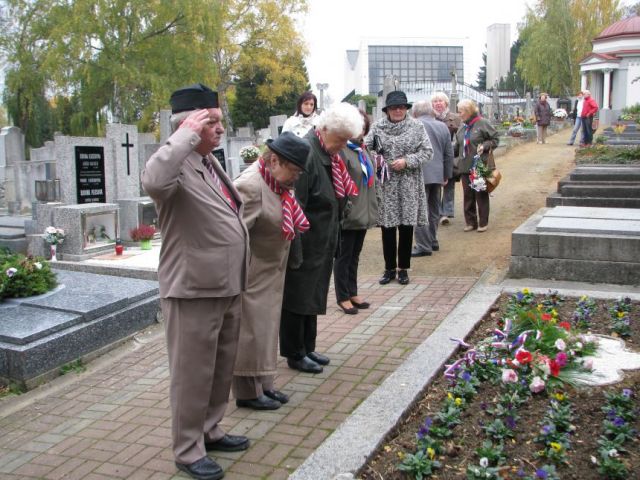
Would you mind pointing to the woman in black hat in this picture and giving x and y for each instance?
(402, 145)
(274, 218)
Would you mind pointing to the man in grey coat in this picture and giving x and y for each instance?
(436, 174)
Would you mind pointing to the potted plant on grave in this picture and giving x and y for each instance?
(249, 154)
(22, 276)
(143, 234)
(516, 130)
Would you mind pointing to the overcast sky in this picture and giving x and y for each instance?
(333, 26)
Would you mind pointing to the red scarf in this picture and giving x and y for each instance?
(343, 184)
(467, 134)
(293, 219)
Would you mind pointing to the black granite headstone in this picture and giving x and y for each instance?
(90, 182)
(219, 154)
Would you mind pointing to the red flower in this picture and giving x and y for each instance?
(565, 325)
(555, 368)
(546, 317)
(524, 357)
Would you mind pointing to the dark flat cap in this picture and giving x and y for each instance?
(292, 148)
(193, 97)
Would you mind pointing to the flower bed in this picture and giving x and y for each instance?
(603, 154)
(503, 412)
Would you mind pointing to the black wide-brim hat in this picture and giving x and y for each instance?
(291, 148)
(396, 98)
(193, 97)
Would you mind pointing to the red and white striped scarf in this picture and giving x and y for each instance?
(343, 184)
(293, 219)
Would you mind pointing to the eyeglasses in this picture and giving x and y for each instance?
(397, 107)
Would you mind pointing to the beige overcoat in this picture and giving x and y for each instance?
(262, 301)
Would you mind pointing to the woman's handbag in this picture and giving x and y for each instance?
(494, 180)
(456, 166)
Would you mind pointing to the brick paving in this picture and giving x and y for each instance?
(114, 422)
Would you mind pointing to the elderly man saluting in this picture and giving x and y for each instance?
(202, 272)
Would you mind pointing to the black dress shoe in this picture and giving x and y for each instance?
(435, 248)
(387, 276)
(420, 254)
(203, 469)
(305, 364)
(361, 306)
(403, 277)
(348, 311)
(228, 443)
(261, 403)
(318, 358)
(277, 396)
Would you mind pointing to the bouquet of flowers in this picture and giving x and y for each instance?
(249, 154)
(478, 175)
(53, 235)
(143, 232)
(560, 113)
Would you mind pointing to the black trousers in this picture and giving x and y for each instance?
(345, 267)
(587, 125)
(297, 334)
(397, 252)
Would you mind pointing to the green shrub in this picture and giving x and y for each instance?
(603, 154)
(633, 109)
(22, 276)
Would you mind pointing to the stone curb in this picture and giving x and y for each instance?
(349, 447)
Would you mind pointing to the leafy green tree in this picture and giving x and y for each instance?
(556, 35)
(248, 106)
(481, 81)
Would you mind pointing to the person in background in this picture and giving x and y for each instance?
(440, 104)
(475, 136)
(361, 214)
(305, 118)
(542, 111)
(202, 271)
(575, 114)
(589, 110)
(273, 218)
(322, 191)
(435, 173)
(403, 146)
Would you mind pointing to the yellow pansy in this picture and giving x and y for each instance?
(525, 291)
(450, 396)
(458, 401)
(556, 446)
(621, 314)
(559, 396)
(431, 452)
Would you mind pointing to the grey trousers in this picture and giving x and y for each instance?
(247, 388)
(202, 339)
(448, 197)
(426, 235)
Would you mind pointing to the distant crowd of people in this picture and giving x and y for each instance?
(245, 266)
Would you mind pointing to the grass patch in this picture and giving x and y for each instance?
(73, 367)
(11, 390)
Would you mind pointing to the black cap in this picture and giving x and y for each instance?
(396, 98)
(291, 148)
(193, 97)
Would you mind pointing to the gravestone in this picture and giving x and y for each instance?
(585, 244)
(165, 125)
(276, 123)
(11, 154)
(85, 314)
(135, 212)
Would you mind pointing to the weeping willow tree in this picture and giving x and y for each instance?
(556, 35)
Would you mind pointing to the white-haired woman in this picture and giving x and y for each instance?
(440, 104)
(322, 191)
(402, 204)
(475, 136)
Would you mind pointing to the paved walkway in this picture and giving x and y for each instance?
(113, 420)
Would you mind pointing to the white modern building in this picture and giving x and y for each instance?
(498, 52)
(611, 72)
(408, 59)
